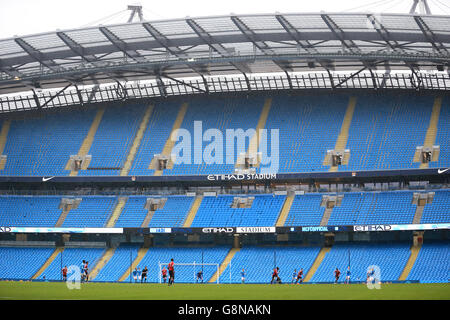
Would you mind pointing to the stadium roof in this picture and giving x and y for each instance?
(225, 45)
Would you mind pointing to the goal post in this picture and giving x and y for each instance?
(189, 270)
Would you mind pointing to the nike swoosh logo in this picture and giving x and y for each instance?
(46, 179)
(442, 171)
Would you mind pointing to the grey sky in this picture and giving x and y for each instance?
(21, 17)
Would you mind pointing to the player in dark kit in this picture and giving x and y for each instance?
(171, 272)
(200, 276)
(299, 276)
(164, 274)
(275, 276)
(86, 271)
(144, 274)
(337, 274)
(64, 273)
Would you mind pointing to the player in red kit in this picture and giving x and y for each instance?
(299, 276)
(337, 274)
(64, 273)
(275, 275)
(171, 272)
(164, 274)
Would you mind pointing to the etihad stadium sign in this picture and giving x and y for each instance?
(247, 176)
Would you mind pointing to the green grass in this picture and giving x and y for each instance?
(123, 291)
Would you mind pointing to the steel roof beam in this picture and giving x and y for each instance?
(35, 54)
(75, 47)
(384, 34)
(261, 45)
(438, 46)
(295, 34)
(121, 45)
(174, 50)
(349, 44)
(162, 40)
(219, 48)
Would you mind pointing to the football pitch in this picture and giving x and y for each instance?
(12, 290)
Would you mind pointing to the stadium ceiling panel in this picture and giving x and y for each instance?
(235, 44)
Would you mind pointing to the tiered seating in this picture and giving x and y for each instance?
(133, 213)
(258, 263)
(432, 264)
(438, 210)
(221, 114)
(217, 212)
(174, 212)
(308, 126)
(22, 263)
(42, 146)
(357, 208)
(29, 211)
(386, 129)
(305, 211)
(183, 255)
(118, 264)
(113, 139)
(383, 134)
(92, 212)
(390, 258)
(374, 208)
(69, 257)
(443, 136)
(155, 136)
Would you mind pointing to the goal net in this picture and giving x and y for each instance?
(188, 272)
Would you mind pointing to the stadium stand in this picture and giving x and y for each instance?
(22, 263)
(432, 264)
(308, 127)
(29, 211)
(390, 257)
(69, 257)
(92, 212)
(258, 263)
(374, 208)
(383, 133)
(42, 145)
(110, 146)
(357, 208)
(305, 211)
(236, 113)
(155, 136)
(187, 274)
(171, 215)
(438, 210)
(118, 264)
(217, 212)
(443, 135)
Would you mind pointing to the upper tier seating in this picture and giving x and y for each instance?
(384, 131)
